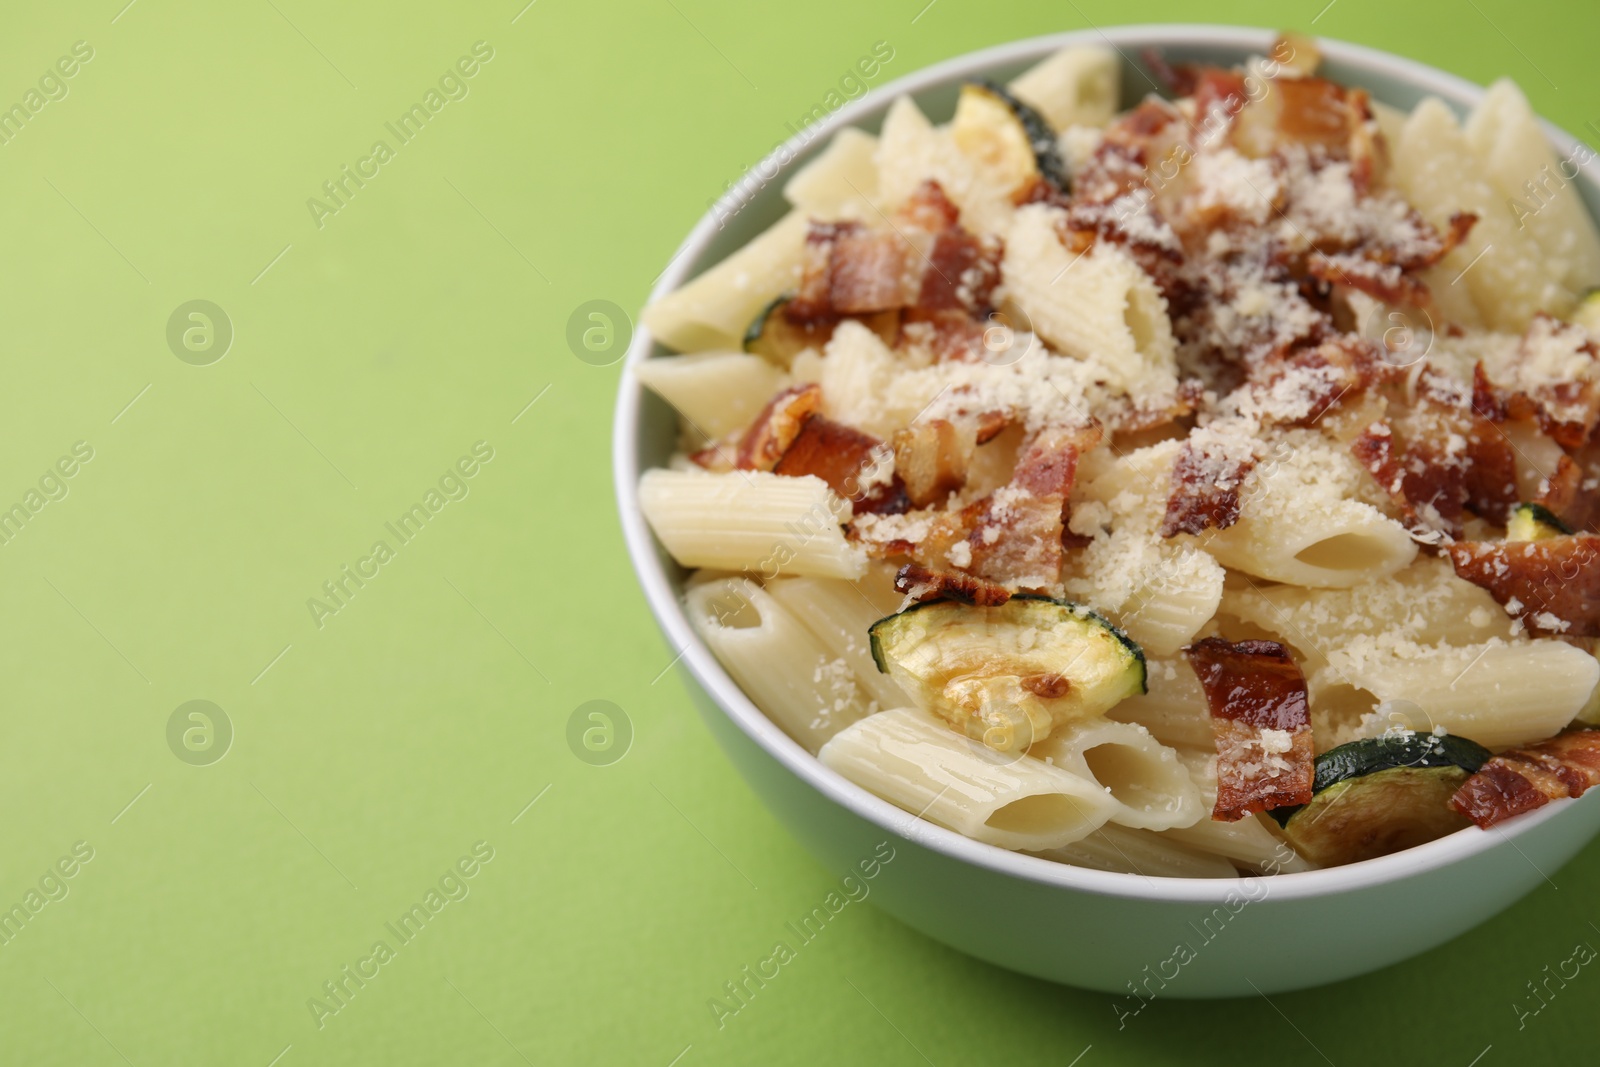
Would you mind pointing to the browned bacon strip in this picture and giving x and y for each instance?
(1205, 491)
(950, 335)
(868, 272)
(925, 262)
(919, 582)
(1017, 542)
(1387, 282)
(776, 428)
(1553, 586)
(962, 272)
(841, 455)
(1251, 688)
(812, 303)
(1437, 461)
(1522, 779)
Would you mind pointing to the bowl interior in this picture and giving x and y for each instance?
(646, 427)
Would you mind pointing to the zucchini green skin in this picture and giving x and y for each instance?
(773, 337)
(1041, 135)
(1377, 814)
(758, 325)
(1374, 755)
(1078, 610)
(1535, 522)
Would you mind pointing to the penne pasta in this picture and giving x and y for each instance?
(1077, 86)
(713, 310)
(840, 181)
(1111, 314)
(1435, 165)
(916, 762)
(1498, 693)
(1539, 190)
(715, 393)
(838, 613)
(1173, 710)
(1117, 848)
(1150, 786)
(795, 679)
(750, 521)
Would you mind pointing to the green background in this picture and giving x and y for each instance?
(371, 753)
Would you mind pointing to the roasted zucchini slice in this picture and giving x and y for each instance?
(1007, 137)
(1008, 675)
(1534, 522)
(1381, 795)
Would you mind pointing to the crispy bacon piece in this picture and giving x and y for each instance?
(1522, 779)
(1011, 539)
(1438, 460)
(1374, 450)
(1205, 491)
(1491, 472)
(812, 303)
(1308, 383)
(1488, 400)
(949, 335)
(840, 455)
(776, 428)
(1132, 142)
(1257, 698)
(926, 262)
(1461, 224)
(1143, 419)
(848, 269)
(867, 272)
(1017, 541)
(920, 583)
(1319, 112)
(1386, 282)
(961, 275)
(1384, 266)
(1553, 586)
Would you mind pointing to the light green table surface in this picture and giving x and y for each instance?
(372, 752)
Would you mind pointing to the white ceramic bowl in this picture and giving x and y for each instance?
(1105, 931)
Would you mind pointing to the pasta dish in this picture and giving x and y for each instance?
(1203, 488)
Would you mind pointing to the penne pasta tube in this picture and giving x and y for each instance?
(781, 665)
(839, 613)
(1145, 778)
(917, 762)
(715, 393)
(1127, 851)
(750, 521)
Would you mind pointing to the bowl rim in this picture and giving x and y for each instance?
(668, 608)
